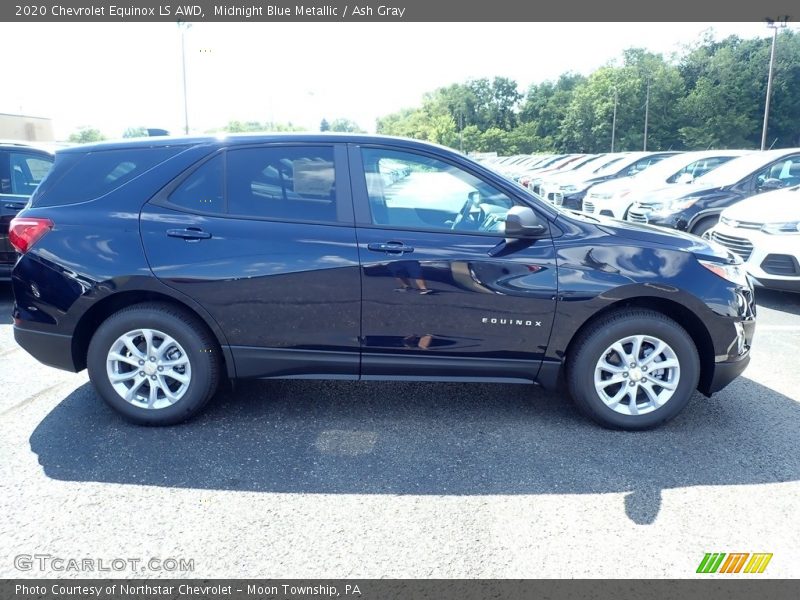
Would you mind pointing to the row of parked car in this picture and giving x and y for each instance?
(747, 201)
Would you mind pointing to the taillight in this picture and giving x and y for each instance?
(24, 232)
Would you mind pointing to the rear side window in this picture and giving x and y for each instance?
(203, 189)
(82, 177)
(294, 183)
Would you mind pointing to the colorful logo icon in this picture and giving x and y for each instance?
(735, 562)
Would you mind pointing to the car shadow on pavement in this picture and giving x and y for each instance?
(787, 302)
(425, 438)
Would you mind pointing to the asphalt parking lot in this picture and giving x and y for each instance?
(323, 479)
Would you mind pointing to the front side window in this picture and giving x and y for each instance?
(784, 173)
(414, 191)
(293, 183)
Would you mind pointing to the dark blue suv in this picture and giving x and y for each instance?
(164, 265)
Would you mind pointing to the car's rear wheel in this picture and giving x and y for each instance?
(154, 363)
(633, 370)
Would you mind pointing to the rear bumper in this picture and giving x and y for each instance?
(51, 349)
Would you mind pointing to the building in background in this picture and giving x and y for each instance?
(26, 128)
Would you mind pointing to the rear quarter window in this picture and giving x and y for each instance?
(80, 177)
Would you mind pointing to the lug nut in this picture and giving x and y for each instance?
(160, 368)
(625, 374)
(141, 373)
(141, 362)
(153, 377)
(152, 359)
(632, 383)
(633, 365)
(644, 369)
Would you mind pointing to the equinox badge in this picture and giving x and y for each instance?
(518, 322)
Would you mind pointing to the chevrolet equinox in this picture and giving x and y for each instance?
(165, 265)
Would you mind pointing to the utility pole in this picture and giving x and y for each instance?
(461, 131)
(614, 121)
(781, 23)
(184, 27)
(646, 114)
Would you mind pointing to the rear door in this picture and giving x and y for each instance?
(263, 238)
(443, 296)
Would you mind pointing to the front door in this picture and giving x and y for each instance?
(442, 297)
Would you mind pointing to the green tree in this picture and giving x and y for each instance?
(257, 126)
(133, 132)
(85, 135)
(324, 125)
(346, 126)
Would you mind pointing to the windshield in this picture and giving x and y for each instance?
(735, 170)
(667, 167)
(617, 165)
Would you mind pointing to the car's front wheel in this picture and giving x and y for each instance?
(633, 369)
(154, 363)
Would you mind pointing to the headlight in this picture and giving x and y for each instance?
(569, 188)
(602, 195)
(679, 204)
(790, 227)
(733, 273)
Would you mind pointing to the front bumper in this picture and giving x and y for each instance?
(724, 373)
(571, 201)
(51, 349)
(638, 214)
(772, 260)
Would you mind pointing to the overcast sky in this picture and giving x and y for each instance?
(114, 76)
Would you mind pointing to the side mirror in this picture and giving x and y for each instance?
(685, 178)
(771, 184)
(522, 222)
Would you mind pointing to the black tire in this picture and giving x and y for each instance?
(599, 336)
(704, 225)
(200, 347)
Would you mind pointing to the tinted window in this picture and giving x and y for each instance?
(642, 164)
(202, 190)
(415, 191)
(698, 168)
(295, 183)
(81, 177)
(26, 171)
(786, 171)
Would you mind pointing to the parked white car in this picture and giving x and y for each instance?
(614, 198)
(764, 231)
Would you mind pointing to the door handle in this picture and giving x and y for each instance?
(390, 247)
(14, 205)
(189, 234)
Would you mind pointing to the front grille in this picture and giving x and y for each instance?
(637, 217)
(780, 264)
(740, 246)
(588, 207)
(650, 205)
(741, 224)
